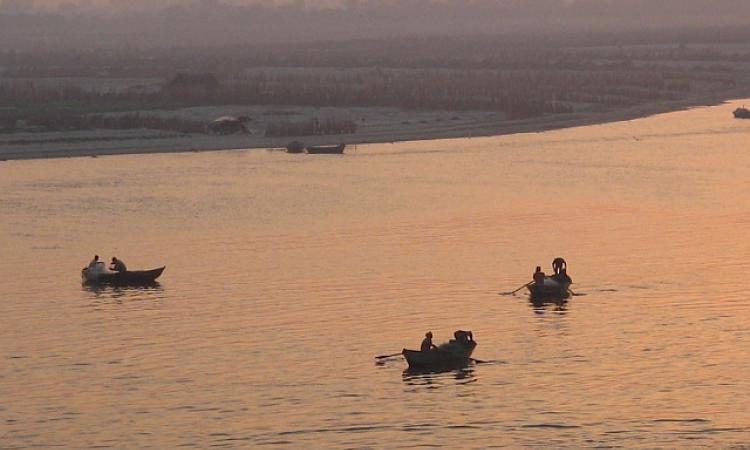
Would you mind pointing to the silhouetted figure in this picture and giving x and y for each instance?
(427, 344)
(117, 265)
(94, 262)
(561, 271)
(559, 265)
(539, 276)
(463, 337)
(563, 276)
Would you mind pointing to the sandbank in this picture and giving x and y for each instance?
(375, 125)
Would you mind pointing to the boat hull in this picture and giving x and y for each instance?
(551, 288)
(326, 149)
(129, 278)
(450, 354)
(741, 113)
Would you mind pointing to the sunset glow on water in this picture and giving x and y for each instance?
(287, 274)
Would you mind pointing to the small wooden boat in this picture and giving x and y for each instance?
(452, 353)
(552, 287)
(128, 278)
(556, 286)
(326, 149)
(741, 113)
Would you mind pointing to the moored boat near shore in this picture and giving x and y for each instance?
(326, 149)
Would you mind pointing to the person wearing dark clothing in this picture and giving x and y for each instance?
(539, 276)
(563, 276)
(559, 265)
(118, 265)
(463, 337)
(427, 344)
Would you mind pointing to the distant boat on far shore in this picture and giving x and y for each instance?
(326, 149)
(742, 113)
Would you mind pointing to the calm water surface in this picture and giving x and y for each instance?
(287, 274)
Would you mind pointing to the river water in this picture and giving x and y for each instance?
(287, 274)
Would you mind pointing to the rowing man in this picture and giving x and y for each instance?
(539, 276)
(427, 344)
(118, 265)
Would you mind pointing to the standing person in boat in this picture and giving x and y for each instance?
(561, 271)
(563, 276)
(427, 344)
(559, 265)
(118, 265)
(539, 276)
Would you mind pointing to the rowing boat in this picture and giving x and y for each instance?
(127, 278)
(453, 352)
(552, 287)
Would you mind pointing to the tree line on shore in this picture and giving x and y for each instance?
(519, 94)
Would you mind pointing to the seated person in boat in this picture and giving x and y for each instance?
(427, 344)
(95, 266)
(118, 265)
(539, 276)
(94, 262)
(463, 337)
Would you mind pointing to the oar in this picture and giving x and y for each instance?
(388, 356)
(513, 292)
(574, 294)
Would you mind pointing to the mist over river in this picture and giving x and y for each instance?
(287, 274)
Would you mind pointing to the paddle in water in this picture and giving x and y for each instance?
(388, 356)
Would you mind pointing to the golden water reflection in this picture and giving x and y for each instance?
(288, 274)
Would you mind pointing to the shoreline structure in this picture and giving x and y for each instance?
(174, 143)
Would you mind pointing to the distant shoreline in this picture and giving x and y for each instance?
(114, 143)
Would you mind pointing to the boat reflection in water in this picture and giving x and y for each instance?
(462, 373)
(542, 304)
(102, 293)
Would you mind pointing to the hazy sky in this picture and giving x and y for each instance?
(170, 22)
(708, 7)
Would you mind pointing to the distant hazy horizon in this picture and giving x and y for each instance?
(80, 23)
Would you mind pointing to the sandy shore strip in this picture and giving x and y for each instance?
(376, 125)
